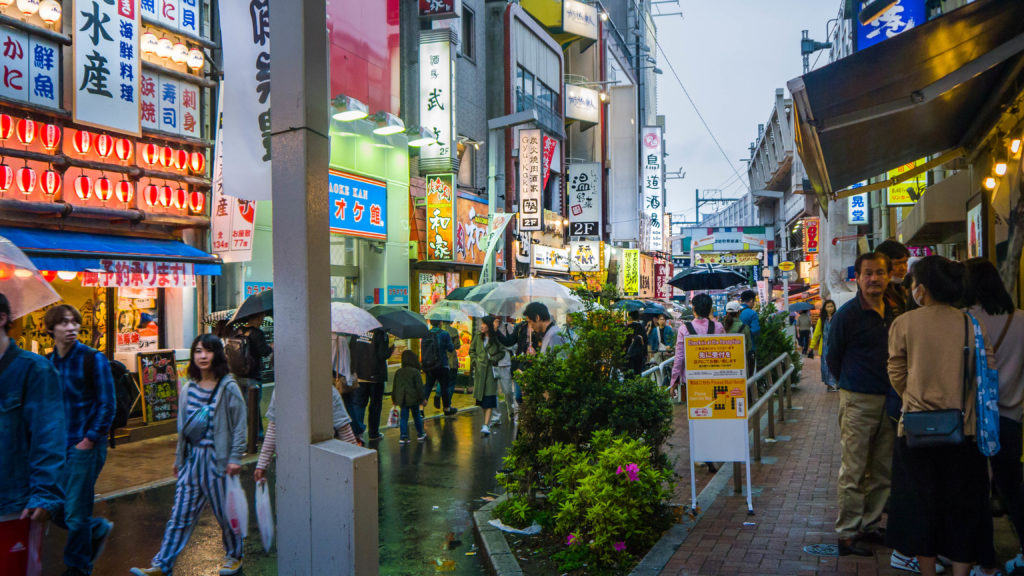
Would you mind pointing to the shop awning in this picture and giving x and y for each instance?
(930, 89)
(939, 216)
(78, 251)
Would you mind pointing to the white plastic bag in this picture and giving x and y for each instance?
(264, 514)
(395, 415)
(236, 506)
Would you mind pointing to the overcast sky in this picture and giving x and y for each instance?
(731, 55)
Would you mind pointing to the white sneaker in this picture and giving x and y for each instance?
(485, 430)
(230, 566)
(1015, 565)
(910, 563)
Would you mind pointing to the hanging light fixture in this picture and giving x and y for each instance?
(349, 109)
(6, 178)
(180, 199)
(48, 275)
(990, 183)
(4, 4)
(50, 182)
(166, 196)
(151, 153)
(67, 275)
(83, 187)
(179, 53)
(148, 43)
(6, 126)
(181, 159)
(50, 11)
(196, 59)
(28, 7)
(197, 201)
(50, 136)
(151, 194)
(103, 188)
(164, 48)
(123, 149)
(82, 142)
(167, 156)
(125, 191)
(197, 161)
(1014, 146)
(26, 131)
(104, 145)
(388, 124)
(26, 180)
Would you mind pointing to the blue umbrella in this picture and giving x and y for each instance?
(800, 307)
(654, 310)
(629, 305)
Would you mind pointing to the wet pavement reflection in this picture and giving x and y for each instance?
(428, 492)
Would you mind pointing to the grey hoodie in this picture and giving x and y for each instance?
(229, 424)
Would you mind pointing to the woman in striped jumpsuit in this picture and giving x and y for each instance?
(211, 442)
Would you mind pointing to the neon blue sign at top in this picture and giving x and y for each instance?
(900, 17)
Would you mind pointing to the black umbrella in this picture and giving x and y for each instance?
(459, 293)
(707, 277)
(654, 310)
(401, 322)
(253, 305)
(629, 305)
(800, 307)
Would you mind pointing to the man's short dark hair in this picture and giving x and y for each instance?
(55, 316)
(748, 296)
(893, 250)
(537, 311)
(634, 314)
(5, 310)
(702, 305)
(872, 256)
(435, 323)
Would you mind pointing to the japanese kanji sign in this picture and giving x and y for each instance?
(716, 377)
(441, 217)
(437, 102)
(470, 230)
(857, 208)
(139, 274)
(897, 19)
(106, 64)
(631, 272)
(585, 256)
(169, 105)
(906, 193)
(31, 68)
(531, 193)
(246, 86)
(232, 221)
(810, 237)
(652, 163)
(646, 276)
(585, 200)
(358, 206)
(180, 15)
(662, 274)
(727, 258)
(437, 9)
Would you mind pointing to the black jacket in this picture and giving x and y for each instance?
(370, 355)
(858, 348)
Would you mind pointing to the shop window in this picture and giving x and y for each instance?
(137, 325)
(468, 39)
(30, 332)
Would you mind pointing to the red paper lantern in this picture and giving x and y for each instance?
(123, 149)
(180, 200)
(150, 154)
(26, 180)
(151, 194)
(167, 156)
(82, 142)
(197, 162)
(197, 201)
(125, 191)
(180, 159)
(49, 275)
(50, 136)
(6, 271)
(104, 145)
(50, 182)
(103, 188)
(166, 196)
(6, 126)
(26, 131)
(6, 178)
(83, 187)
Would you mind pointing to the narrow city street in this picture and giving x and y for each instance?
(428, 492)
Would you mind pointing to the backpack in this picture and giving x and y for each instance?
(691, 331)
(238, 351)
(430, 352)
(636, 346)
(125, 395)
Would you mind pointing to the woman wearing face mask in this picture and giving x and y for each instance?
(819, 343)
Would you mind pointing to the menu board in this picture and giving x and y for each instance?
(158, 376)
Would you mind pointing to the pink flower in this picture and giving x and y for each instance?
(618, 470)
(620, 546)
(634, 472)
(569, 540)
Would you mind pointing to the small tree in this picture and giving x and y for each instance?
(775, 338)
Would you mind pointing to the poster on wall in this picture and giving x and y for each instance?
(137, 322)
(906, 193)
(471, 230)
(530, 191)
(652, 160)
(432, 290)
(975, 233)
(585, 200)
(630, 272)
(106, 65)
(158, 378)
(441, 217)
(810, 238)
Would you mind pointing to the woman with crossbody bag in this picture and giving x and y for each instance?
(939, 500)
(211, 441)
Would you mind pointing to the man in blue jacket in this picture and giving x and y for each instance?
(858, 351)
(88, 388)
(748, 315)
(32, 416)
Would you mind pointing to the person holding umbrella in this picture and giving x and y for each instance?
(369, 354)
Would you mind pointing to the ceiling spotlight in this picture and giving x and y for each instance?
(1015, 145)
(990, 183)
(421, 137)
(349, 109)
(387, 124)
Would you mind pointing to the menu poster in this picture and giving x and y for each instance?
(158, 376)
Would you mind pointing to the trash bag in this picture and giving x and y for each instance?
(21, 543)
(236, 505)
(395, 414)
(264, 514)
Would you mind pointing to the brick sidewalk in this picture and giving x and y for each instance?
(794, 503)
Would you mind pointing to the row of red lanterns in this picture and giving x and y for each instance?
(49, 134)
(170, 158)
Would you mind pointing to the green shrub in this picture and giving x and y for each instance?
(515, 512)
(776, 338)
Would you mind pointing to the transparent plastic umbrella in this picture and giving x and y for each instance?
(350, 319)
(478, 293)
(455, 311)
(23, 285)
(510, 297)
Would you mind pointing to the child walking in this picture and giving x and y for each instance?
(407, 394)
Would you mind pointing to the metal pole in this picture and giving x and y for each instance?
(491, 266)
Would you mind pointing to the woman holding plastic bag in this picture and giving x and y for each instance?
(211, 441)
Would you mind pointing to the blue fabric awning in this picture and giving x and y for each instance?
(79, 251)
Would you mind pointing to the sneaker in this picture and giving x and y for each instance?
(1015, 565)
(151, 571)
(99, 541)
(485, 430)
(451, 411)
(421, 437)
(230, 566)
(373, 438)
(495, 418)
(403, 440)
(910, 563)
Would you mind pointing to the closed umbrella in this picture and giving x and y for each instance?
(510, 297)
(707, 277)
(401, 322)
(350, 319)
(455, 311)
(256, 304)
(25, 288)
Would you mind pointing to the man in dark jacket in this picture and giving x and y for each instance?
(858, 353)
(636, 343)
(440, 375)
(370, 353)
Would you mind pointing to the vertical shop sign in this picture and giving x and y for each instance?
(189, 117)
(530, 191)
(440, 217)
(149, 102)
(246, 86)
(188, 17)
(585, 200)
(857, 207)
(470, 231)
(662, 274)
(106, 65)
(440, 9)
(31, 68)
(653, 187)
(437, 104)
(168, 13)
(810, 238)
(548, 146)
(975, 232)
(232, 221)
(358, 206)
(646, 276)
(169, 99)
(631, 272)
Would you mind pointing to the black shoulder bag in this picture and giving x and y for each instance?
(929, 428)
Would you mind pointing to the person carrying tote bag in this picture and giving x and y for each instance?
(939, 499)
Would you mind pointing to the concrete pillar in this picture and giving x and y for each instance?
(319, 480)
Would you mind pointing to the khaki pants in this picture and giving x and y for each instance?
(866, 440)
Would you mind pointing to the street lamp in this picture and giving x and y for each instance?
(421, 137)
(387, 124)
(349, 109)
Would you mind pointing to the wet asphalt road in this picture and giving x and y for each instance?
(427, 491)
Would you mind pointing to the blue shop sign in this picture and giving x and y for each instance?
(902, 16)
(359, 206)
(253, 288)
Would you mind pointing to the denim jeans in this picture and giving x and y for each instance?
(79, 483)
(453, 377)
(357, 415)
(403, 421)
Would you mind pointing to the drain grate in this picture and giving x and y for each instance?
(822, 550)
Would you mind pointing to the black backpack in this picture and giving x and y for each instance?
(430, 352)
(125, 395)
(238, 351)
(693, 332)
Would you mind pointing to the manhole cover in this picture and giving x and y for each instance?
(822, 550)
